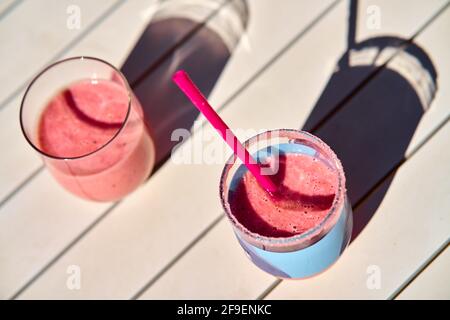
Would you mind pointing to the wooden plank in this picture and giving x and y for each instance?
(411, 223)
(216, 268)
(431, 283)
(382, 17)
(172, 283)
(147, 218)
(432, 42)
(46, 39)
(32, 226)
(7, 6)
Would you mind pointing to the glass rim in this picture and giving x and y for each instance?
(41, 73)
(297, 239)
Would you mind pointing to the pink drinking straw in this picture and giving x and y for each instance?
(181, 78)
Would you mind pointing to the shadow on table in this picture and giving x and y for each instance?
(164, 48)
(372, 132)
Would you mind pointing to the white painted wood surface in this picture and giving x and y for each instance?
(411, 223)
(7, 5)
(148, 230)
(44, 33)
(431, 283)
(186, 272)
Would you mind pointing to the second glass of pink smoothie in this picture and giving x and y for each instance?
(302, 229)
(82, 117)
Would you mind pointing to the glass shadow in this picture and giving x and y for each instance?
(373, 129)
(178, 38)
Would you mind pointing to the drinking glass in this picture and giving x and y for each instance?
(116, 167)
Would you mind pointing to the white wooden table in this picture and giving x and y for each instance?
(169, 239)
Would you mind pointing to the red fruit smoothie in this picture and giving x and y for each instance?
(85, 122)
(82, 118)
(307, 188)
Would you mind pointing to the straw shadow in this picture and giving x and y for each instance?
(371, 133)
(203, 52)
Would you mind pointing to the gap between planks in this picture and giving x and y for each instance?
(10, 8)
(65, 50)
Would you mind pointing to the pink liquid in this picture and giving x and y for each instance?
(85, 122)
(81, 119)
(307, 188)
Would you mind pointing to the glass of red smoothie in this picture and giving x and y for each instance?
(82, 117)
(304, 228)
